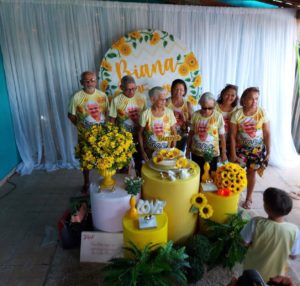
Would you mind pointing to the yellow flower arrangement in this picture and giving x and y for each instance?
(200, 205)
(191, 61)
(231, 176)
(183, 69)
(182, 163)
(105, 147)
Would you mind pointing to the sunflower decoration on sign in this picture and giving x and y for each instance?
(231, 177)
(200, 205)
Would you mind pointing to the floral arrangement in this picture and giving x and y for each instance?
(166, 154)
(133, 185)
(200, 204)
(105, 147)
(232, 177)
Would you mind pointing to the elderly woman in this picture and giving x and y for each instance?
(182, 110)
(250, 138)
(156, 123)
(207, 130)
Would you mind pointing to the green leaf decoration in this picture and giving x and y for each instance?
(193, 92)
(134, 44)
(141, 39)
(193, 209)
(178, 57)
(227, 245)
(196, 72)
(165, 43)
(188, 79)
(106, 73)
(162, 266)
(171, 38)
(146, 38)
(113, 86)
(108, 79)
(112, 55)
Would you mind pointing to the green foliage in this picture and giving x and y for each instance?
(198, 250)
(162, 266)
(227, 246)
(133, 185)
(209, 154)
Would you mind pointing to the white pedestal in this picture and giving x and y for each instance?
(108, 208)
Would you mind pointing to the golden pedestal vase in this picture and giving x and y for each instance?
(107, 181)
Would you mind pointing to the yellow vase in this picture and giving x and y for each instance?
(107, 181)
(132, 213)
(206, 177)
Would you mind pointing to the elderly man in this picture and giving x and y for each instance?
(125, 110)
(88, 106)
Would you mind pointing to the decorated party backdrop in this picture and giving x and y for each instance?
(153, 58)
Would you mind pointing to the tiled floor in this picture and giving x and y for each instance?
(30, 210)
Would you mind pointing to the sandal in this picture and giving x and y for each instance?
(247, 204)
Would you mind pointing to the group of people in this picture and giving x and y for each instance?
(220, 128)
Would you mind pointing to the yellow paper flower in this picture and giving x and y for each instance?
(182, 163)
(206, 211)
(199, 200)
(197, 81)
(136, 35)
(106, 65)
(183, 70)
(192, 100)
(125, 49)
(104, 85)
(155, 39)
(117, 44)
(191, 61)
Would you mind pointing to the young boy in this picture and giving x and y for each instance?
(271, 240)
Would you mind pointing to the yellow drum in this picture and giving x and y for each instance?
(177, 194)
(142, 237)
(222, 205)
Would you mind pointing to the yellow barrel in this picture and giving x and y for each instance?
(177, 194)
(222, 205)
(142, 237)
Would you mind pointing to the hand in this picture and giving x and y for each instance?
(145, 156)
(233, 282)
(233, 158)
(223, 157)
(282, 280)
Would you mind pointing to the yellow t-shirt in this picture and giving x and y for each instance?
(249, 128)
(226, 118)
(89, 109)
(181, 114)
(270, 246)
(127, 110)
(206, 133)
(156, 127)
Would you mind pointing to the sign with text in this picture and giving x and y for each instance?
(100, 246)
(153, 58)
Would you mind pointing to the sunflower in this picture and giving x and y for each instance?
(136, 35)
(197, 81)
(183, 70)
(192, 100)
(117, 44)
(104, 85)
(155, 39)
(125, 49)
(106, 65)
(206, 211)
(199, 200)
(191, 61)
(182, 162)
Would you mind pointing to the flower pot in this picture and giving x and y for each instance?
(107, 181)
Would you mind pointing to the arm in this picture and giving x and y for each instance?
(189, 144)
(190, 111)
(72, 118)
(282, 280)
(173, 132)
(112, 120)
(233, 133)
(223, 147)
(267, 139)
(141, 142)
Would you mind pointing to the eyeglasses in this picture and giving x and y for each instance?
(207, 108)
(89, 80)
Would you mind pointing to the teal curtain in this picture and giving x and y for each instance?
(8, 151)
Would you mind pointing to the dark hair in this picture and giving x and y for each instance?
(224, 90)
(127, 79)
(82, 76)
(246, 92)
(277, 201)
(179, 81)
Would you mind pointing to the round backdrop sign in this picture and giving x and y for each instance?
(153, 58)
